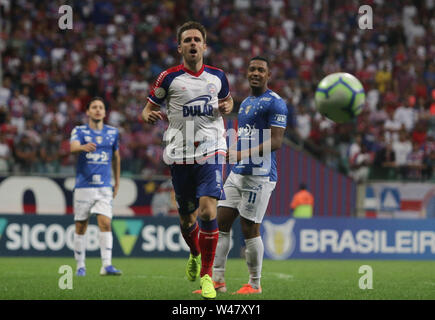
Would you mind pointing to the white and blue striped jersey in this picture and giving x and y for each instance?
(256, 114)
(94, 169)
(196, 127)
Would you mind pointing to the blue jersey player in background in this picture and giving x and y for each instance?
(262, 121)
(97, 147)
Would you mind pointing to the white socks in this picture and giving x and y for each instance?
(254, 259)
(220, 258)
(80, 249)
(106, 244)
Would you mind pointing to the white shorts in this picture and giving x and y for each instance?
(248, 194)
(88, 201)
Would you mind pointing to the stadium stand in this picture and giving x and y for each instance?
(116, 49)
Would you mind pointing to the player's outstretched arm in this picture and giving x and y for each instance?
(226, 105)
(76, 147)
(151, 113)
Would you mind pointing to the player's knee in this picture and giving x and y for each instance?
(81, 227)
(207, 213)
(224, 222)
(226, 217)
(207, 209)
(250, 229)
(104, 223)
(224, 226)
(187, 220)
(105, 228)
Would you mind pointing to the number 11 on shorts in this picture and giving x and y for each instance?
(252, 197)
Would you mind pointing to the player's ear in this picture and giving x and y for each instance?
(179, 48)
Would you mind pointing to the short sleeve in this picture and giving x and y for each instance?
(159, 90)
(75, 135)
(225, 87)
(278, 114)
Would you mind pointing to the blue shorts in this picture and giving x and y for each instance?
(192, 181)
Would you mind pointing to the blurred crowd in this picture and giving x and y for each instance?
(116, 50)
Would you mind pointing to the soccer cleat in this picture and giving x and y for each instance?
(207, 287)
(247, 289)
(218, 286)
(81, 272)
(193, 267)
(110, 271)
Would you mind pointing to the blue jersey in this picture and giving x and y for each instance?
(94, 169)
(256, 114)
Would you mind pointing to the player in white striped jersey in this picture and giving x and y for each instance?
(196, 97)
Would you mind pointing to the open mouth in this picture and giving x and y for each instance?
(193, 51)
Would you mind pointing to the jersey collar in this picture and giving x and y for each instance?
(95, 131)
(195, 74)
(264, 93)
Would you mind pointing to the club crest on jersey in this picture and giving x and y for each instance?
(198, 107)
(211, 88)
(99, 139)
(160, 92)
(247, 109)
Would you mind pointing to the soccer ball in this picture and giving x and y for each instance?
(340, 97)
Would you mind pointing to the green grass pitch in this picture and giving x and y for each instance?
(163, 279)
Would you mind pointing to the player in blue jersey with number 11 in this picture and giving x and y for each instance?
(262, 121)
(97, 147)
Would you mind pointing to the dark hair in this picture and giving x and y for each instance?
(303, 186)
(96, 99)
(191, 25)
(261, 59)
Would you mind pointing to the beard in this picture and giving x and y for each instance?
(96, 121)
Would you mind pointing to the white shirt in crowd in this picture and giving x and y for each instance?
(401, 151)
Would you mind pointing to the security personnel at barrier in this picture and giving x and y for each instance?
(302, 203)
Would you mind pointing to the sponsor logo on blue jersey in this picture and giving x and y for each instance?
(198, 107)
(97, 157)
(282, 118)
